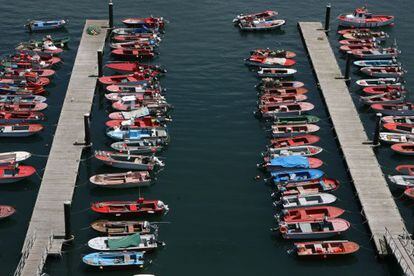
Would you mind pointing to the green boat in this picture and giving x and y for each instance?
(58, 42)
(303, 119)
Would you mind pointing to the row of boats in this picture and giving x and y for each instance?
(137, 128)
(302, 191)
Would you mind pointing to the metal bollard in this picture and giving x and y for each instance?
(66, 208)
(375, 141)
(327, 17)
(100, 63)
(111, 14)
(86, 123)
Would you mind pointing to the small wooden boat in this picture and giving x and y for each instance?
(135, 44)
(279, 131)
(378, 82)
(383, 53)
(405, 169)
(403, 148)
(362, 47)
(310, 213)
(103, 260)
(128, 115)
(18, 117)
(129, 161)
(285, 109)
(293, 151)
(399, 127)
(271, 83)
(13, 157)
(19, 130)
(299, 140)
(132, 133)
(292, 162)
(267, 99)
(139, 97)
(135, 208)
(402, 180)
(130, 103)
(45, 25)
(275, 72)
(409, 192)
(144, 122)
(141, 87)
(6, 211)
(362, 34)
(252, 16)
(321, 229)
(361, 18)
(277, 92)
(377, 63)
(381, 89)
(22, 99)
(325, 249)
(387, 98)
(47, 47)
(261, 24)
(260, 61)
(392, 138)
(279, 53)
(295, 201)
(308, 187)
(58, 42)
(357, 41)
(384, 72)
(6, 89)
(133, 53)
(138, 30)
(121, 180)
(15, 172)
(150, 22)
(137, 37)
(301, 119)
(123, 227)
(119, 79)
(398, 119)
(140, 242)
(22, 106)
(41, 72)
(138, 147)
(130, 67)
(296, 175)
(402, 109)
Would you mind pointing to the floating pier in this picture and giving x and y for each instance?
(377, 203)
(46, 232)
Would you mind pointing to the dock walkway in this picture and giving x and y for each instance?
(374, 195)
(46, 231)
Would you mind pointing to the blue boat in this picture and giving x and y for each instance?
(377, 63)
(292, 162)
(41, 25)
(135, 133)
(296, 175)
(114, 259)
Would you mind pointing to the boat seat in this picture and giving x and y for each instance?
(318, 248)
(131, 229)
(127, 258)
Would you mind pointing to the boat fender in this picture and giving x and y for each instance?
(283, 229)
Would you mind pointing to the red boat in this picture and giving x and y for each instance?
(309, 187)
(43, 73)
(151, 22)
(356, 41)
(130, 67)
(403, 148)
(409, 192)
(273, 53)
(135, 208)
(21, 90)
(284, 92)
(310, 213)
(23, 107)
(269, 99)
(132, 88)
(362, 47)
(49, 59)
(133, 53)
(14, 173)
(136, 37)
(299, 140)
(119, 79)
(405, 169)
(29, 78)
(270, 83)
(20, 117)
(399, 127)
(324, 249)
(361, 18)
(6, 211)
(139, 122)
(269, 61)
(374, 90)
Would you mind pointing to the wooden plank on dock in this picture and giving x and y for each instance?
(377, 202)
(61, 170)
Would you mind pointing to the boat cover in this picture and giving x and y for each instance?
(128, 241)
(290, 162)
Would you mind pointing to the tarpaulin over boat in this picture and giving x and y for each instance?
(290, 162)
(128, 241)
(141, 112)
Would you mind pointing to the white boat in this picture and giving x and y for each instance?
(377, 63)
(293, 151)
(315, 229)
(393, 138)
(261, 25)
(141, 242)
(275, 72)
(402, 180)
(122, 180)
(295, 201)
(13, 157)
(129, 161)
(378, 82)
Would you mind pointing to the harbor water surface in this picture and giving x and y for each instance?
(220, 216)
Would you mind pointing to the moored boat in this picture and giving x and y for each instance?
(377, 63)
(405, 169)
(292, 162)
(384, 72)
(122, 227)
(138, 147)
(133, 53)
(280, 53)
(121, 180)
(275, 72)
(45, 25)
(402, 109)
(298, 175)
(150, 22)
(402, 180)
(321, 229)
(387, 98)
(279, 131)
(16, 117)
(260, 61)
(398, 119)
(295, 201)
(261, 24)
(132, 133)
(285, 109)
(361, 18)
(299, 140)
(15, 172)
(139, 242)
(130, 67)
(19, 130)
(403, 148)
(267, 99)
(13, 157)
(6, 211)
(325, 249)
(376, 53)
(259, 15)
(382, 89)
(103, 260)
(135, 208)
(308, 187)
(392, 137)
(293, 151)
(399, 127)
(378, 82)
(310, 213)
(129, 161)
(301, 119)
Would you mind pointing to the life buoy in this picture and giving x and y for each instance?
(283, 229)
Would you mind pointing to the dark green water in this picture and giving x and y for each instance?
(220, 216)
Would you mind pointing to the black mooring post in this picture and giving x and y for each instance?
(100, 63)
(111, 14)
(66, 208)
(348, 67)
(327, 17)
(86, 123)
(375, 141)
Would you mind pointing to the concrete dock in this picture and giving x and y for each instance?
(45, 235)
(374, 195)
